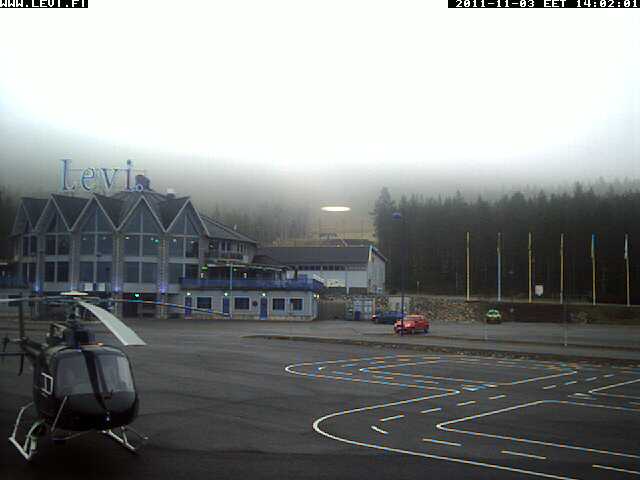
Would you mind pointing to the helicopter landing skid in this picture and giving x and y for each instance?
(123, 439)
(29, 446)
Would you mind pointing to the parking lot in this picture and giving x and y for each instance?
(216, 403)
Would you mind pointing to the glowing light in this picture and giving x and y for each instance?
(336, 209)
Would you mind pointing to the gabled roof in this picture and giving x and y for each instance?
(316, 255)
(69, 207)
(33, 208)
(112, 207)
(169, 210)
(218, 230)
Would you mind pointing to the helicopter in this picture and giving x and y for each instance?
(79, 385)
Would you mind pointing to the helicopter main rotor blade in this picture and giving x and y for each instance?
(123, 333)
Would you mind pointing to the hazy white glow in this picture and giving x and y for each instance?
(336, 209)
(317, 86)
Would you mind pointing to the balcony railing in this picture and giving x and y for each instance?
(252, 284)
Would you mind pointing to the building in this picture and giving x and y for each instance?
(143, 245)
(348, 269)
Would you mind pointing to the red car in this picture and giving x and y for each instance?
(412, 324)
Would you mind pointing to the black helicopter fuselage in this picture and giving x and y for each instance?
(82, 387)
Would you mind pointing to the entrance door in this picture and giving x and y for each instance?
(264, 305)
(225, 305)
(187, 304)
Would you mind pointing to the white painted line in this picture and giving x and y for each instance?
(519, 454)
(598, 390)
(497, 397)
(460, 461)
(431, 410)
(609, 375)
(466, 403)
(616, 469)
(321, 368)
(581, 396)
(591, 379)
(443, 426)
(548, 387)
(342, 373)
(634, 403)
(427, 381)
(395, 417)
(441, 442)
(571, 382)
(379, 430)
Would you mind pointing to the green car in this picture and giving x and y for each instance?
(493, 316)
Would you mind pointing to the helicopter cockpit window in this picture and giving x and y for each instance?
(116, 373)
(72, 376)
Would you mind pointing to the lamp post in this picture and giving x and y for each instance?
(399, 216)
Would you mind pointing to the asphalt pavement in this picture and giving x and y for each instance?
(216, 403)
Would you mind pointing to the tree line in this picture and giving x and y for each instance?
(430, 237)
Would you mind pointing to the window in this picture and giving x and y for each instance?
(131, 272)
(150, 245)
(176, 247)
(149, 273)
(87, 244)
(86, 272)
(105, 244)
(63, 272)
(25, 246)
(50, 245)
(203, 302)
(33, 245)
(132, 245)
(192, 248)
(49, 272)
(296, 304)
(175, 272)
(277, 304)
(104, 272)
(29, 272)
(63, 245)
(191, 271)
(241, 303)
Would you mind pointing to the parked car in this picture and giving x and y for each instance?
(389, 317)
(493, 316)
(412, 324)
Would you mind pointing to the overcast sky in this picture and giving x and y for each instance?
(320, 98)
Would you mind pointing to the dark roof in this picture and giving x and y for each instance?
(70, 207)
(112, 206)
(319, 255)
(218, 230)
(34, 208)
(118, 206)
(170, 208)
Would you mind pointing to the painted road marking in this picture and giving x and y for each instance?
(460, 461)
(321, 368)
(427, 381)
(466, 403)
(443, 426)
(607, 387)
(571, 382)
(616, 469)
(581, 396)
(437, 409)
(442, 442)
(609, 375)
(395, 417)
(590, 379)
(520, 454)
(548, 387)
(342, 373)
(634, 403)
(379, 430)
(497, 397)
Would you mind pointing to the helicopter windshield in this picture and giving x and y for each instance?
(113, 369)
(115, 373)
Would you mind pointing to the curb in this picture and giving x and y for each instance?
(459, 350)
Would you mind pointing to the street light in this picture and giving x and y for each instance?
(399, 216)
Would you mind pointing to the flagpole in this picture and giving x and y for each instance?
(499, 269)
(593, 267)
(626, 260)
(530, 267)
(561, 268)
(468, 272)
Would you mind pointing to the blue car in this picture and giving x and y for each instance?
(389, 317)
